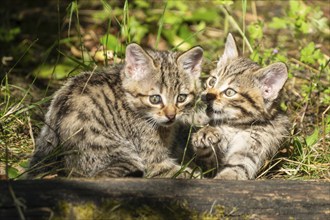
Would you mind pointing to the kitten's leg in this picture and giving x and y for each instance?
(169, 169)
(110, 162)
(233, 172)
(123, 167)
(206, 144)
(45, 156)
(160, 165)
(238, 167)
(242, 160)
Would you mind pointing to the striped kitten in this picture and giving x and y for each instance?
(120, 122)
(246, 126)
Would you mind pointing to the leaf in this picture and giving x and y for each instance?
(298, 9)
(281, 58)
(302, 25)
(12, 172)
(205, 14)
(295, 6)
(223, 2)
(278, 23)
(313, 138)
(24, 164)
(142, 4)
(47, 71)
(185, 33)
(310, 54)
(172, 18)
(306, 53)
(255, 31)
(110, 42)
(9, 35)
(180, 5)
(255, 56)
(138, 30)
(284, 107)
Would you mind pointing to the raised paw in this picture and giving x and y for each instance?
(205, 139)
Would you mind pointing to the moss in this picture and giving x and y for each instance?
(110, 209)
(68, 210)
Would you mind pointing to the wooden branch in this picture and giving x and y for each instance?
(165, 198)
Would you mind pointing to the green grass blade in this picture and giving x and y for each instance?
(160, 25)
(186, 39)
(72, 7)
(236, 26)
(126, 23)
(76, 60)
(244, 6)
(10, 70)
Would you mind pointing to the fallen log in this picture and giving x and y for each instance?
(163, 199)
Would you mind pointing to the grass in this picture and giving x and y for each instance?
(302, 42)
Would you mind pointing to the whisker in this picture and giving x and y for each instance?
(216, 157)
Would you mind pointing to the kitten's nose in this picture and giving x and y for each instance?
(209, 97)
(170, 112)
(171, 117)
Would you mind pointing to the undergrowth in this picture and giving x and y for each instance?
(86, 34)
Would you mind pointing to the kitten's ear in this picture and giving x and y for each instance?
(191, 61)
(137, 62)
(272, 79)
(230, 51)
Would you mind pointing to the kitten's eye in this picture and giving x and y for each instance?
(155, 99)
(230, 92)
(181, 98)
(212, 80)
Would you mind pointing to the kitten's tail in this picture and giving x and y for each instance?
(46, 155)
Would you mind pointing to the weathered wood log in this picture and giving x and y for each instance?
(164, 199)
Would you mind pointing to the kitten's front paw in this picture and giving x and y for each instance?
(205, 139)
(238, 172)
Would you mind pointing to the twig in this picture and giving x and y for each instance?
(304, 65)
(271, 167)
(323, 124)
(31, 132)
(82, 91)
(17, 202)
(304, 112)
(211, 209)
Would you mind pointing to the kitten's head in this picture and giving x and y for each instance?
(239, 91)
(162, 86)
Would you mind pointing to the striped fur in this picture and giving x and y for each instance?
(104, 124)
(246, 126)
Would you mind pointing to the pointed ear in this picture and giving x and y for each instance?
(137, 62)
(272, 79)
(230, 51)
(191, 61)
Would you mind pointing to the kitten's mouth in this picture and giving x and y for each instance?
(210, 111)
(168, 123)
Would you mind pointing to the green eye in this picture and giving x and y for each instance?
(181, 98)
(155, 99)
(211, 81)
(230, 92)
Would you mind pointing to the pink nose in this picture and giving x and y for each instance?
(171, 116)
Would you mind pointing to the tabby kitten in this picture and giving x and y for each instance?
(246, 126)
(120, 122)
